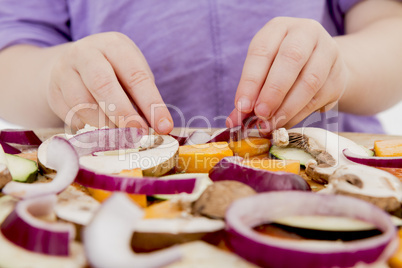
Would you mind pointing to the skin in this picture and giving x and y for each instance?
(94, 80)
(293, 68)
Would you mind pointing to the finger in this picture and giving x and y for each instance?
(303, 94)
(136, 77)
(235, 118)
(99, 78)
(78, 98)
(62, 110)
(325, 99)
(261, 53)
(264, 128)
(318, 103)
(293, 54)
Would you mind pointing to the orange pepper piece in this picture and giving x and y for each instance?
(201, 158)
(102, 195)
(292, 166)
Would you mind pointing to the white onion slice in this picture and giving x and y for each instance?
(24, 228)
(269, 251)
(62, 157)
(198, 137)
(107, 237)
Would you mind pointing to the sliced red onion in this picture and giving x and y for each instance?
(230, 168)
(8, 148)
(229, 134)
(198, 137)
(107, 238)
(61, 157)
(245, 214)
(24, 228)
(250, 120)
(221, 135)
(23, 137)
(375, 161)
(180, 139)
(145, 185)
(106, 140)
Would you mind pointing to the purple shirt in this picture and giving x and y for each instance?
(196, 49)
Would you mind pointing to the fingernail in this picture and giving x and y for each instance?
(164, 125)
(244, 105)
(262, 110)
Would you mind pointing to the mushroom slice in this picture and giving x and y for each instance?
(154, 161)
(370, 184)
(5, 176)
(147, 142)
(76, 206)
(215, 200)
(154, 154)
(326, 147)
(199, 254)
(155, 234)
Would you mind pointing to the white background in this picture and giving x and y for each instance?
(390, 119)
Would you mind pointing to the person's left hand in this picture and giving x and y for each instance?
(293, 68)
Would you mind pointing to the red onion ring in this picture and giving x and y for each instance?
(374, 161)
(8, 148)
(63, 158)
(229, 168)
(106, 140)
(25, 230)
(221, 135)
(107, 238)
(23, 137)
(229, 134)
(267, 251)
(145, 185)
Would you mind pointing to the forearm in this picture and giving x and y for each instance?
(24, 80)
(374, 57)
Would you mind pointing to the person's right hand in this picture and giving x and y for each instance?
(99, 78)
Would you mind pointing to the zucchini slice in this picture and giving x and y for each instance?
(21, 169)
(286, 153)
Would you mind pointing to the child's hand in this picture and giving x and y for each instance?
(293, 68)
(97, 80)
